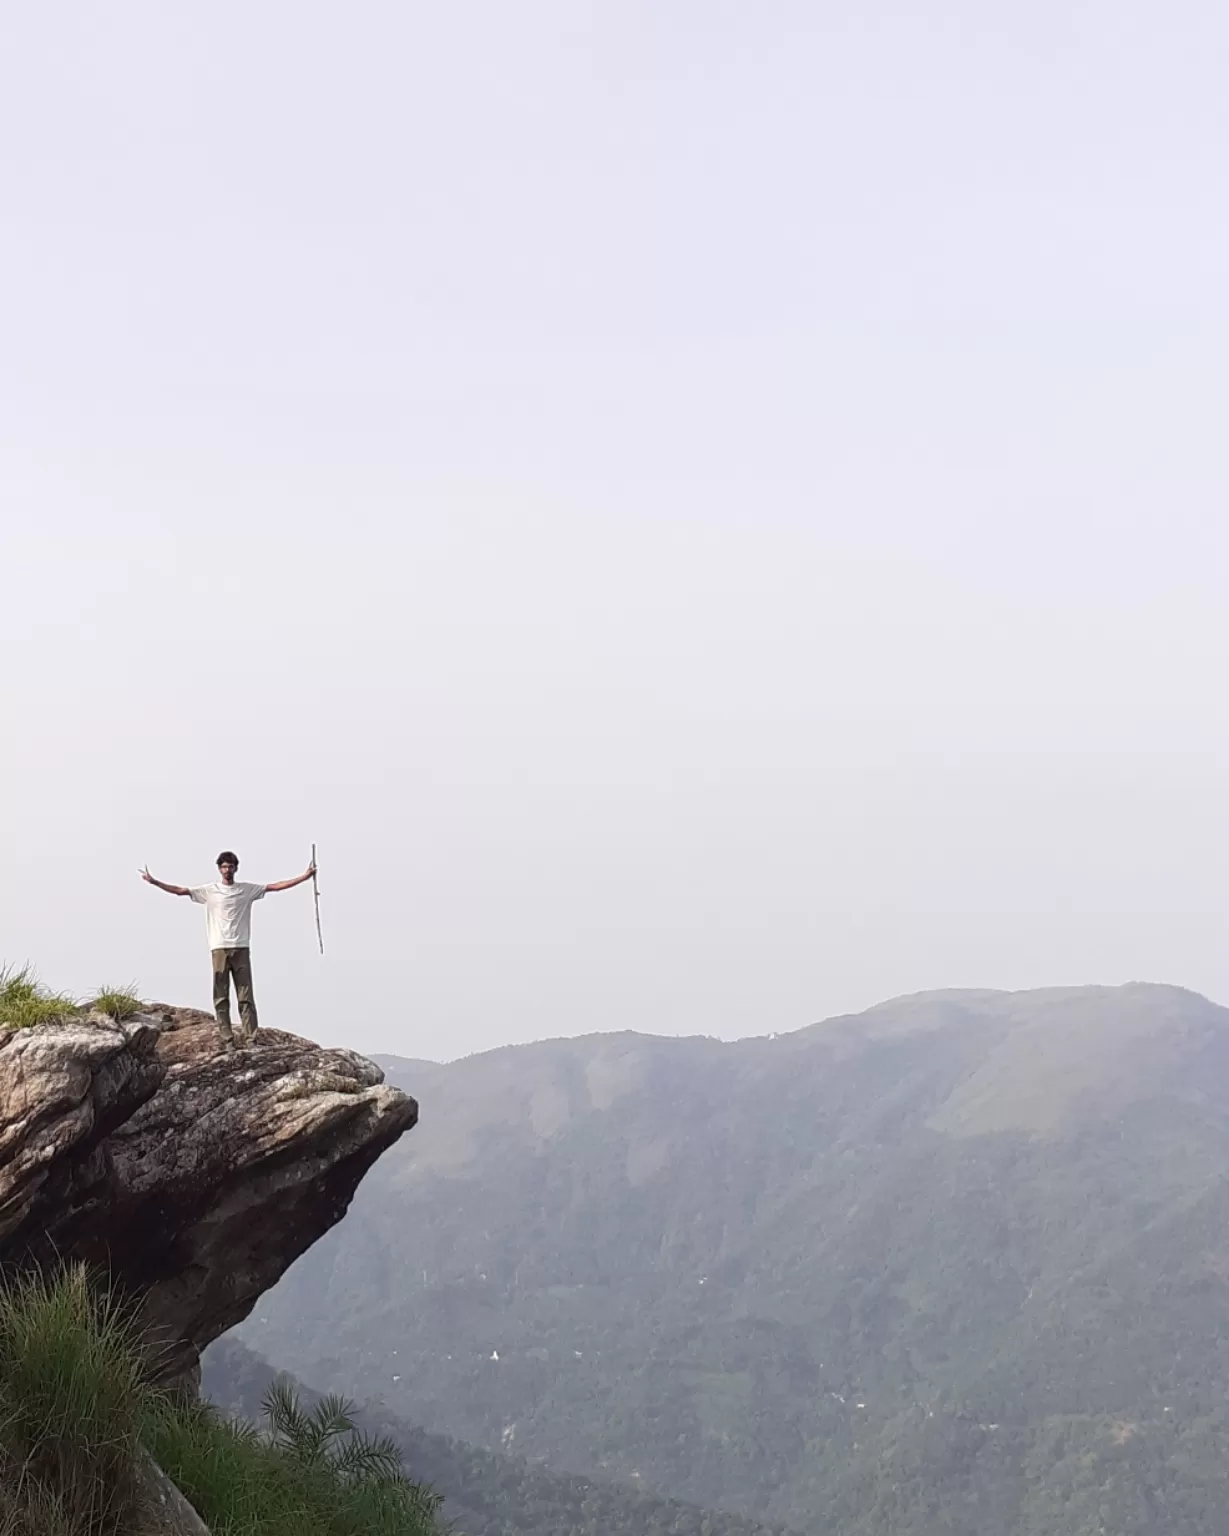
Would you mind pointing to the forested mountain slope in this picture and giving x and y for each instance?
(485, 1493)
(957, 1264)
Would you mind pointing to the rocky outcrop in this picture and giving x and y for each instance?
(193, 1177)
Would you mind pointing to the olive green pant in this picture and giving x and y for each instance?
(236, 963)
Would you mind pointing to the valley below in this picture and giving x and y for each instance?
(956, 1265)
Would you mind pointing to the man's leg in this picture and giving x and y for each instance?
(221, 993)
(241, 965)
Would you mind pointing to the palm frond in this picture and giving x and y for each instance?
(363, 1457)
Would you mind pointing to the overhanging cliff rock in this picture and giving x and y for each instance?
(195, 1179)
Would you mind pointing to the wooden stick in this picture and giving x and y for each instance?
(316, 894)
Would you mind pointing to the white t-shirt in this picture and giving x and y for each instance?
(228, 912)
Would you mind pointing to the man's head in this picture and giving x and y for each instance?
(228, 866)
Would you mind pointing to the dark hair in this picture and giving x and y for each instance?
(227, 857)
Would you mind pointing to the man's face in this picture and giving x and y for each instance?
(227, 870)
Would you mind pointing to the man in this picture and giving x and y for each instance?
(228, 918)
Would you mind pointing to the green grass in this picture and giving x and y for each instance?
(307, 1474)
(117, 1002)
(71, 1405)
(75, 1409)
(24, 1000)
(33, 1512)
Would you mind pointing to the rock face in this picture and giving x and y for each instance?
(194, 1178)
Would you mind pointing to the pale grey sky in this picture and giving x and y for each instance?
(711, 515)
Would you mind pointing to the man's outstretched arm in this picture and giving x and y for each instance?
(286, 885)
(175, 890)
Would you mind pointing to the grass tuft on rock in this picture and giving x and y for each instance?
(117, 1002)
(25, 1001)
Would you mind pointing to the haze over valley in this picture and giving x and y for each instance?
(957, 1264)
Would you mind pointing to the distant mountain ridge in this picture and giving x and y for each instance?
(958, 1264)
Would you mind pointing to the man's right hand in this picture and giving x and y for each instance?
(171, 890)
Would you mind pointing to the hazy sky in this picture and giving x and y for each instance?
(710, 514)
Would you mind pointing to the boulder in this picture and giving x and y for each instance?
(194, 1178)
